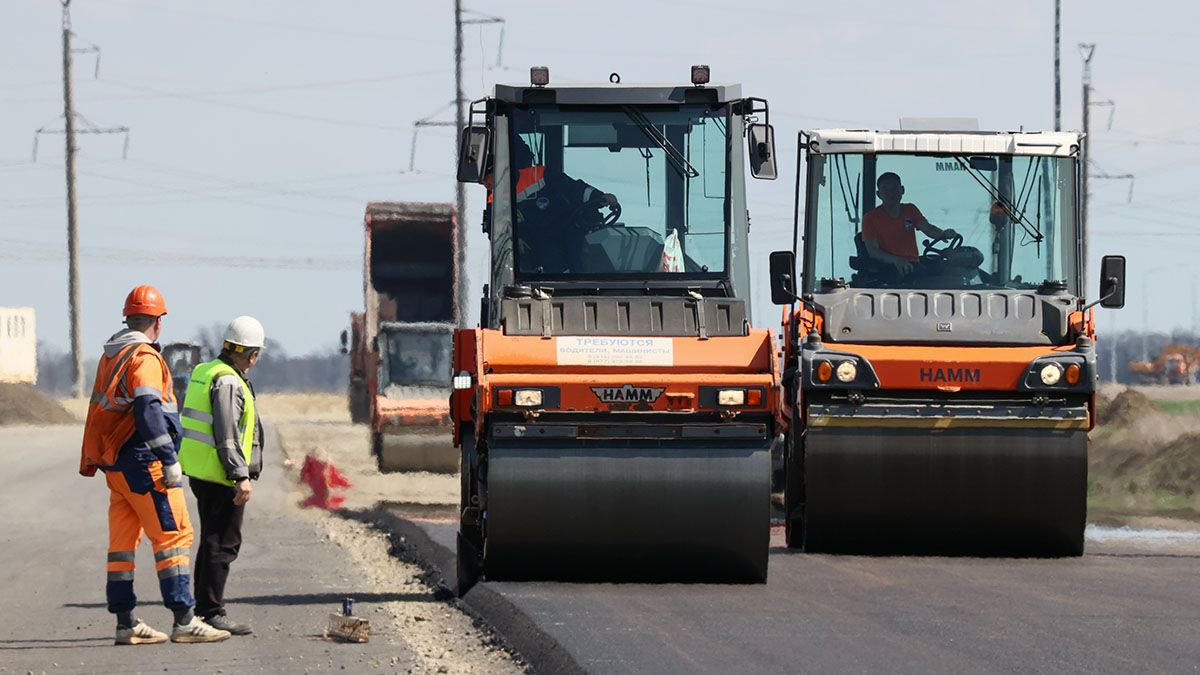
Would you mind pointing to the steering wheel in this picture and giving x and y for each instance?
(595, 202)
(951, 244)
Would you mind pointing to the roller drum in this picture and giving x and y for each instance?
(618, 510)
(953, 491)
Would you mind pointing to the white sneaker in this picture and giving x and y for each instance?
(197, 631)
(140, 634)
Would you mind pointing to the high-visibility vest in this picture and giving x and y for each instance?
(198, 453)
(530, 180)
(136, 370)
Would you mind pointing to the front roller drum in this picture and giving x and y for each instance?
(628, 511)
(957, 491)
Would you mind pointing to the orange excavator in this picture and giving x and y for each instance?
(615, 410)
(938, 398)
(1175, 364)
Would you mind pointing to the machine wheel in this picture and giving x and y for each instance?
(377, 450)
(793, 491)
(469, 542)
(468, 565)
(359, 400)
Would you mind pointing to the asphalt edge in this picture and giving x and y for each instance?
(516, 628)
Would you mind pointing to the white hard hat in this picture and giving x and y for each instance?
(245, 331)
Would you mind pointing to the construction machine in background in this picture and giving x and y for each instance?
(615, 409)
(946, 409)
(1175, 364)
(400, 345)
(181, 358)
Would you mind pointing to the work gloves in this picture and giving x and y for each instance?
(172, 475)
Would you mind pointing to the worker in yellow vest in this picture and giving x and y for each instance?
(221, 453)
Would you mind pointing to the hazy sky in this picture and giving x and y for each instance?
(260, 128)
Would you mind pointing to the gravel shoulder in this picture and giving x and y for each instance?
(442, 635)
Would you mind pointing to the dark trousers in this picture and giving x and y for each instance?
(220, 539)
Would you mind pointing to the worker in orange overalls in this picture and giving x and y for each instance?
(132, 434)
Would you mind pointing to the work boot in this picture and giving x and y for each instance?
(139, 634)
(222, 622)
(197, 631)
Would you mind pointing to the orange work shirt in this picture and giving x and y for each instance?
(897, 236)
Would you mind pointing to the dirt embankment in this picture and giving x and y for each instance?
(23, 404)
(1144, 460)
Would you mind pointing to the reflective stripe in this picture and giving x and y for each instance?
(120, 576)
(198, 415)
(159, 441)
(528, 192)
(200, 436)
(118, 370)
(170, 553)
(120, 556)
(172, 571)
(170, 408)
(118, 405)
(147, 390)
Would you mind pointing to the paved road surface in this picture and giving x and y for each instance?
(52, 551)
(1131, 604)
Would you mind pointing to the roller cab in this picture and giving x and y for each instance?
(940, 366)
(614, 409)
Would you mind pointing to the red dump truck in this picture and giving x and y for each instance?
(400, 345)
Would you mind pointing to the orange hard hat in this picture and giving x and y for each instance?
(145, 299)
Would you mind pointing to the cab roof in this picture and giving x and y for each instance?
(853, 141)
(618, 94)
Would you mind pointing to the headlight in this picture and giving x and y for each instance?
(527, 398)
(462, 380)
(731, 397)
(847, 371)
(1051, 374)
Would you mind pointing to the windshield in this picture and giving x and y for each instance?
(620, 189)
(417, 357)
(924, 221)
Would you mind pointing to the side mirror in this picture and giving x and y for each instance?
(761, 141)
(1112, 281)
(345, 339)
(783, 285)
(473, 154)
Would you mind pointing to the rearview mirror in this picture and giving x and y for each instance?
(345, 343)
(1112, 281)
(761, 141)
(473, 154)
(783, 284)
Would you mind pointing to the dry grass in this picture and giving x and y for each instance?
(307, 407)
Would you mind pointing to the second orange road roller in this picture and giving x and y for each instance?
(940, 364)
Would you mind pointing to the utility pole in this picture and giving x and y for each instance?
(1057, 65)
(70, 118)
(1086, 50)
(72, 230)
(460, 189)
(460, 120)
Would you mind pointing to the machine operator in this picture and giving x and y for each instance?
(890, 230)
